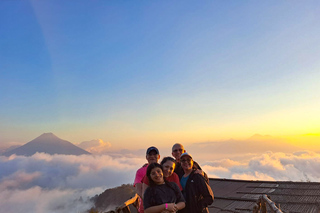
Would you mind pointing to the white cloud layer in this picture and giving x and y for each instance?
(299, 166)
(97, 146)
(62, 183)
(39, 200)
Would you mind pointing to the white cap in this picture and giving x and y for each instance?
(185, 154)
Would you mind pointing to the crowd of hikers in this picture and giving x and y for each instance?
(175, 185)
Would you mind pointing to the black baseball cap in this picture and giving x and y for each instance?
(152, 148)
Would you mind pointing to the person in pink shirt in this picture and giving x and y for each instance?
(152, 156)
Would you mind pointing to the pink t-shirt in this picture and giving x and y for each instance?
(172, 178)
(141, 173)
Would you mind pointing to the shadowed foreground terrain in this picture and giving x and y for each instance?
(110, 199)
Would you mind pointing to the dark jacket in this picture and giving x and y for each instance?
(179, 170)
(198, 194)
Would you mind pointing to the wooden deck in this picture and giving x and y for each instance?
(241, 196)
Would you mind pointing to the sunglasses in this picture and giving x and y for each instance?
(178, 150)
(186, 160)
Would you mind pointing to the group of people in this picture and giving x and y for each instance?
(176, 184)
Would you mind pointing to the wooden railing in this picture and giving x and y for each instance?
(124, 208)
(265, 203)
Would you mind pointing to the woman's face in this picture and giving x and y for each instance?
(156, 175)
(186, 163)
(168, 168)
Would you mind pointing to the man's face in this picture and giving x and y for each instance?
(177, 151)
(152, 157)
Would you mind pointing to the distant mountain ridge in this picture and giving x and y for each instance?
(7, 149)
(47, 143)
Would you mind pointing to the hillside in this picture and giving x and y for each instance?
(110, 199)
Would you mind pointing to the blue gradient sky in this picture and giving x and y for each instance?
(137, 73)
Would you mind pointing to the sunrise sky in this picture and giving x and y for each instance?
(237, 82)
(136, 73)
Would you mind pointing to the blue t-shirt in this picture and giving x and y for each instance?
(183, 181)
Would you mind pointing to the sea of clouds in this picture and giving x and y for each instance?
(60, 183)
(65, 183)
(273, 166)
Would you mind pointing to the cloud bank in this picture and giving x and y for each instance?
(97, 146)
(60, 183)
(298, 166)
(65, 183)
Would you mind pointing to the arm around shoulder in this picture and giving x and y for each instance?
(200, 171)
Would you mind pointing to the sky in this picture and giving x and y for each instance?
(237, 82)
(141, 73)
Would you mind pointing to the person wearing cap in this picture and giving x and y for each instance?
(196, 191)
(177, 151)
(152, 156)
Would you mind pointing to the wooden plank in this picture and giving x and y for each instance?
(281, 194)
(271, 187)
(235, 198)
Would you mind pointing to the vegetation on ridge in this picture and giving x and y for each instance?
(112, 198)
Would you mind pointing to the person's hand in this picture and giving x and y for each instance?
(199, 171)
(172, 207)
(175, 208)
